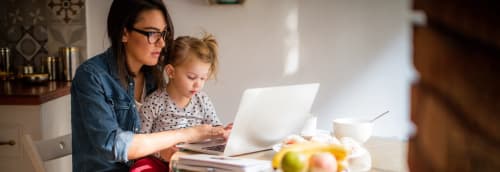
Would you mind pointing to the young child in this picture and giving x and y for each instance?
(181, 103)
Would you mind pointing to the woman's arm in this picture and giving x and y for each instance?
(146, 144)
(93, 118)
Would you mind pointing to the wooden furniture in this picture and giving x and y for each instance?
(42, 111)
(456, 101)
(45, 150)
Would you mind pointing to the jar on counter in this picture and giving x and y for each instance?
(28, 69)
(69, 60)
(5, 60)
(52, 67)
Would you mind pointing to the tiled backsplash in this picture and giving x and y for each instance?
(35, 29)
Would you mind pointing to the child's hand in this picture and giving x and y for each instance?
(227, 130)
(166, 154)
(229, 127)
(204, 132)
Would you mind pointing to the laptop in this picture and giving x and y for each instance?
(264, 118)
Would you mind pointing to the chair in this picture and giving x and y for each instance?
(45, 150)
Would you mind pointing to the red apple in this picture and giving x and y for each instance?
(322, 162)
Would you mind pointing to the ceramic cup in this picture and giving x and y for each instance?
(309, 129)
(357, 129)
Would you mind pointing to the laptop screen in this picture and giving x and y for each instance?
(267, 115)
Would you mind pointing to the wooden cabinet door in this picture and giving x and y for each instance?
(455, 103)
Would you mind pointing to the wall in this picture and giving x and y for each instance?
(96, 14)
(34, 30)
(358, 50)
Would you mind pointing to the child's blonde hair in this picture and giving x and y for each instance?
(205, 49)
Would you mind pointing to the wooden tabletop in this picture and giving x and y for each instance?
(388, 154)
(20, 93)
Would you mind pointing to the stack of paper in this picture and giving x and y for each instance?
(217, 163)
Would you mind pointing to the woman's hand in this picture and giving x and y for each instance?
(203, 132)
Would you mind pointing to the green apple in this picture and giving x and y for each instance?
(294, 162)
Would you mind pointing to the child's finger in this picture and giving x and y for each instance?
(229, 126)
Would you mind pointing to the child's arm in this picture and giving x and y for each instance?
(210, 116)
(147, 122)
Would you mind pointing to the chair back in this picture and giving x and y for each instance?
(45, 150)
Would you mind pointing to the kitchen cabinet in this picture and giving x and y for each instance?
(20, 115)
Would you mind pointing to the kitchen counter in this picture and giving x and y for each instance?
(19, 93)
(42, 111)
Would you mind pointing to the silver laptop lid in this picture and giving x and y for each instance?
(267, 115)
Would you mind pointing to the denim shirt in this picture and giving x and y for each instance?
(103, 115)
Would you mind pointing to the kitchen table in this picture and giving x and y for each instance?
(387, 154)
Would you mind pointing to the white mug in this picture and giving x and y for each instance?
(309, 129)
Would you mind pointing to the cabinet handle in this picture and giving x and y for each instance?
(10, 142)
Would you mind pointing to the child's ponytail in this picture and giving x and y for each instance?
(213, 54)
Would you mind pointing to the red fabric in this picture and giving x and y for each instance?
(149, 164)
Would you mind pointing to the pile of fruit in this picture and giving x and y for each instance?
(311, 157)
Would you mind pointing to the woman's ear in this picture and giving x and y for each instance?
(125, 35)
(170, 71)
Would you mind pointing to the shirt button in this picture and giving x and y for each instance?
(133, 106)
(136, 129)
(131, 84)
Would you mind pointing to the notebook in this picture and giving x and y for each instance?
(204, 162)
(265, 117)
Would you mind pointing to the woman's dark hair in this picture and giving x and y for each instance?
(124, 14)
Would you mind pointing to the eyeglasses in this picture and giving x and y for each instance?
(153, 37)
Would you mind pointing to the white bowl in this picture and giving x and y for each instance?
(357, 129)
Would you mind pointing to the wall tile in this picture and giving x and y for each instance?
(35, 29)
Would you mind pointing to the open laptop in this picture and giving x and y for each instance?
(265, 116)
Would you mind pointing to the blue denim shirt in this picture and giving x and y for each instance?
(103, 115)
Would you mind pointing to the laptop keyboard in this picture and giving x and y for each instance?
(218, 148)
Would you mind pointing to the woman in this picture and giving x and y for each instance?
(108, 88)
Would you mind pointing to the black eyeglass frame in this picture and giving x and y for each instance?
(149, 34)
